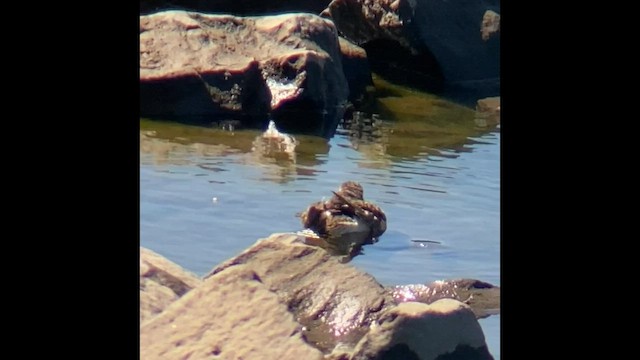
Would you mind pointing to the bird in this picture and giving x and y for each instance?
(345, 222)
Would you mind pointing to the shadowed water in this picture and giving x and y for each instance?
(206, 194)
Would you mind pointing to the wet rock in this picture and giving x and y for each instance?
(335, 302)
(202, 68)
(483, 298)
(488, 112)
(161, 283)
(489, 105)
(426, 43)
(363, 20)
(232, 315)
(446, 329)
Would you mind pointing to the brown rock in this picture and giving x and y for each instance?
(232, 315)
(445, 329)
(335, 302)
(362, 21)
(489, 105)
(206, 67)
(161, 283)
(488, 111)
(483, 298)
(267, 301)
(429, 44)
(490, 24)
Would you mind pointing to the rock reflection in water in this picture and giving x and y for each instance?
(275, 147)
(280, 157)
(401, 126)
(276, 144)
(422, 123)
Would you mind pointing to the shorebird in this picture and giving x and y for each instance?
(345, 222)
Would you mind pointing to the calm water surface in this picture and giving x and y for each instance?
(433, 167)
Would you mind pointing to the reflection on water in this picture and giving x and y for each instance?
(207, 193)
(402, 141)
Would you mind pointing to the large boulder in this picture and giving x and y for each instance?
(202, 68)
(435, 44)
(232, 315)
(335, 302)
(161, 283)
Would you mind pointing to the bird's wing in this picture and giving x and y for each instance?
(356, 208)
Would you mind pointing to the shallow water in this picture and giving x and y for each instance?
(431, 165)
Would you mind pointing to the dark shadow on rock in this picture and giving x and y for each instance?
(451, 48)
(203, 98)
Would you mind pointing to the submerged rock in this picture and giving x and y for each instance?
(203, 68)
(161, 283)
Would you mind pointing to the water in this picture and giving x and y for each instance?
(205, 195)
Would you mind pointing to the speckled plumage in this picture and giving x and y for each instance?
(346, 221)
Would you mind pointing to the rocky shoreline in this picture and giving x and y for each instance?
(282, 298)
(307, 66)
